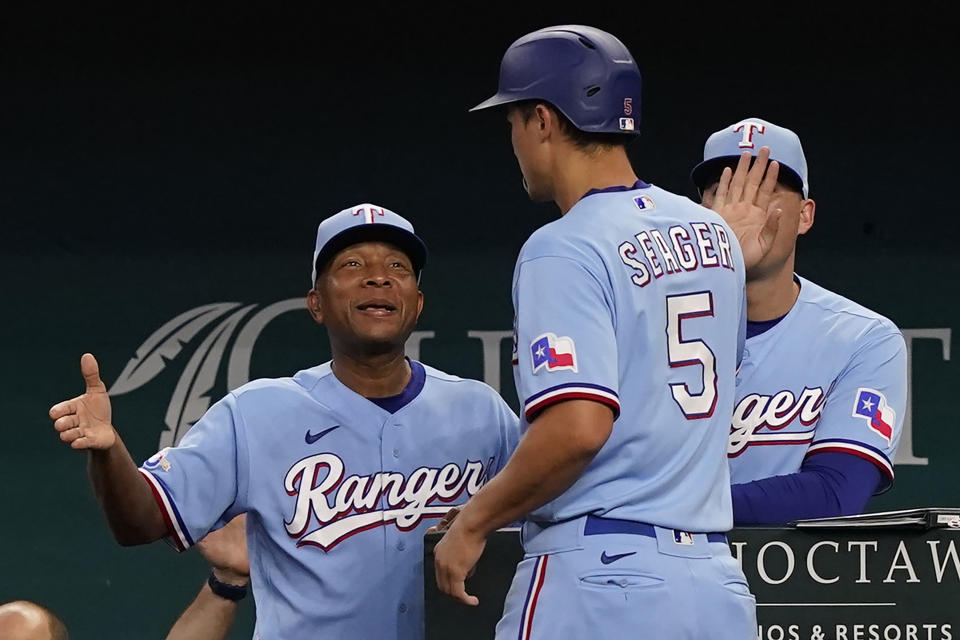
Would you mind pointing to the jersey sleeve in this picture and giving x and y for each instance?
(509, 434)
(863, 413)
(196, 482)
(566, 345)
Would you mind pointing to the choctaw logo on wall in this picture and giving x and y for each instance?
(192, 396)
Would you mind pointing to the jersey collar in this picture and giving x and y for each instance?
(418, 377)
(639, 184)
(756, 328)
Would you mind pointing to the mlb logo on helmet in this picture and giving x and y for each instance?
(553, 353)
(626, 124)
(871, 405)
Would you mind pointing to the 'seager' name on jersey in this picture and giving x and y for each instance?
(635, 299)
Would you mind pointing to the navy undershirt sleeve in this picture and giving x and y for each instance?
(828, 484)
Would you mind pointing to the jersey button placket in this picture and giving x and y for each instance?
(743, 368)
(396, 451)
(403, 607)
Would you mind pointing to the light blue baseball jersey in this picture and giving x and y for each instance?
(635, 298)
(338, 492)
(831, 376)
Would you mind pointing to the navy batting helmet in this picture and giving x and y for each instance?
(586, 73)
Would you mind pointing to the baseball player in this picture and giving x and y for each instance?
(628, 310)
(822, 388)
(339, 468)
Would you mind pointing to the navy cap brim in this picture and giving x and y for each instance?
(709, 170)
(496, 100)
(409, 243)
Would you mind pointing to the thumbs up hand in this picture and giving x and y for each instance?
(84, 421)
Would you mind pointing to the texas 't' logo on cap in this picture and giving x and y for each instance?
(369, 213)
(748, 128)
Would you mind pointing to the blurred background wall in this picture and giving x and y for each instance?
(163, 170)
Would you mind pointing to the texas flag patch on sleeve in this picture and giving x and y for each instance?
(871, 405)
(553, 354)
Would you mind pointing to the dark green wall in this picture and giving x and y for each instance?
(154, 162)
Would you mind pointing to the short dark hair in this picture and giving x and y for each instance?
(583, 140)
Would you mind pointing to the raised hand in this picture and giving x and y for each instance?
(744, 199)
(84, 421)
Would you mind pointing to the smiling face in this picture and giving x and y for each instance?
(368, 298)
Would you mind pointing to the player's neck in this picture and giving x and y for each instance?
(378, 376)
(772, 296)
(577, 173)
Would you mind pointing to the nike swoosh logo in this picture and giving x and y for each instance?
(310, 438)
(605, 559)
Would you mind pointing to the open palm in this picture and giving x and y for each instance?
(744, 199)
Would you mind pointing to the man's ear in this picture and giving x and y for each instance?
(544, 120)
(419, 304)
(808, 209)
(314, 307)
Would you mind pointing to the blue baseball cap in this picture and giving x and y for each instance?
(724, 147)
(362, 223)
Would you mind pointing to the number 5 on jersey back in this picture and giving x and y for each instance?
(684, 353)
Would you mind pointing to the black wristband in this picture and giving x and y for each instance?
(227, 591)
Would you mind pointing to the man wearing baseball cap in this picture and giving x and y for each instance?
(821, 390)
(340, 468)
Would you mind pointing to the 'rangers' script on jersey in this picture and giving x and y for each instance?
(408, 498)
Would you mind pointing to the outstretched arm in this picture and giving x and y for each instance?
(127, 500)
(211, 616)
